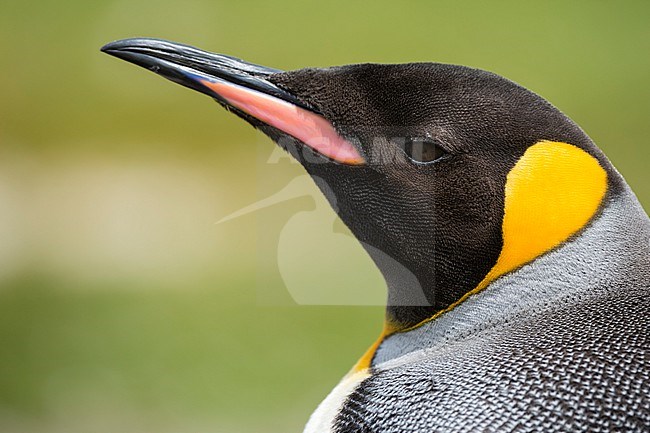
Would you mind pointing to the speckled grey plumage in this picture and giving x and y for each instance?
(560, 345)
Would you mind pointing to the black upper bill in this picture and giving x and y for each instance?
(184, 64)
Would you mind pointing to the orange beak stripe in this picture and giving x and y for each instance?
(308, 127)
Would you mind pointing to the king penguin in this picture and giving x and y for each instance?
(516, 258)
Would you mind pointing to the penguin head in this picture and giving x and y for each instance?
(439, 170)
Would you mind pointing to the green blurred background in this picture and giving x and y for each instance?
(123, 306)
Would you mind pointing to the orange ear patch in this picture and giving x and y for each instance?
(551, 193)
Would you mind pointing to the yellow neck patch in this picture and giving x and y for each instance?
(551, 193)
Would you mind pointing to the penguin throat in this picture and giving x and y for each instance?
(551, 193)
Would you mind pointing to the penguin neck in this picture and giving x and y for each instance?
(408, 300)
(614, 245)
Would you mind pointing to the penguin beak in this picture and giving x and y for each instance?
(243, 86)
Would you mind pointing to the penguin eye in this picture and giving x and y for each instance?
(423, 150)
